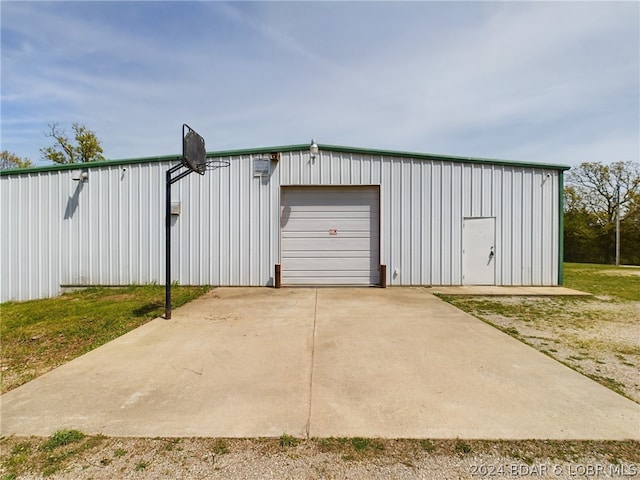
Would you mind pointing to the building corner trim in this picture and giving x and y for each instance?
(560, 228)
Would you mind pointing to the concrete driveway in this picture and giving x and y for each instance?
(250, 362)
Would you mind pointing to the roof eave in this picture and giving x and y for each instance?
(287, 148)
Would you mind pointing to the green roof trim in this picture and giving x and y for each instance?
(449, 158)
(561, 229)
(287, 148)
(83, 165)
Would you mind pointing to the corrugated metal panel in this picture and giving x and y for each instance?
(227, 233)
(423, 203)
(30, 223)
(110, 230)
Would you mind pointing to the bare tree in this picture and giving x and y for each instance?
(597, 186)
(594, 197)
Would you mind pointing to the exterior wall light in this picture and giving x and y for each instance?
(313, 149)
(80, 175)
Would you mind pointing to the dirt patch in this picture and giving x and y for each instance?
(596, 337)
(622, 272)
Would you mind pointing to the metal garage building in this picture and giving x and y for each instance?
(346, 216)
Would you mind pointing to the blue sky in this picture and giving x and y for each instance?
(553, 82)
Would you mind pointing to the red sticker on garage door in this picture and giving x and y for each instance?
(333, 231)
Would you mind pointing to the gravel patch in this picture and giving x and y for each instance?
(200, 458)
(598, 338)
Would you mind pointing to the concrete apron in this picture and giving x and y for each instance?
(250, 362)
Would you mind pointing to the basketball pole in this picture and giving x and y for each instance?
(167, 253)
(167, 224)
(194, 159)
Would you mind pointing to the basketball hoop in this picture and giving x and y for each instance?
(194, 159)
(215, 163)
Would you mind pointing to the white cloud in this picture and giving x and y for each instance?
(530, 81)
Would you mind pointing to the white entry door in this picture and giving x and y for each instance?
(478, 251)
(330, 235)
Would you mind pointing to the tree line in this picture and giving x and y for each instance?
(599, 199)
(85, 147)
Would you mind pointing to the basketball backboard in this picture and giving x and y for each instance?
(194, 154)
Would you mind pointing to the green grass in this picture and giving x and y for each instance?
(352, 448)
(363, 444)
(62, 438)
(462, 448)
(39, 335)
(50, 456)
(119, 452)
(603, 280)
(220, 446)
(428, 446)
(288, 441)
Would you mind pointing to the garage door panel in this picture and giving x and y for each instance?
(329, 253)
(329, 197)
(354, 243)
(329, 264)
(328, 274)
(321, 211)
(314, 278)
(325, 224)
(329, 235)
(330, 267)
(326, 264)
(340, 236)
(329, 281)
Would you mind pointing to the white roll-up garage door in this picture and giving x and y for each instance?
(330, 235)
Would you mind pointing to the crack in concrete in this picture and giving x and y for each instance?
(313, 351)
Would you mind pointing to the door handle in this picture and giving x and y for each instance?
(491, 253)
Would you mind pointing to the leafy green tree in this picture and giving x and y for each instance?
(630, 232)
(10, 160)
(593, 196)
(579, 232)
(87, 147)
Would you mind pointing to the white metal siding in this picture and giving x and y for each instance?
(423, 203)
(329, 236)
(110, 230)
(227, 233)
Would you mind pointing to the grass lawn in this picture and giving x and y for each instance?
(622, 283)
(40, 335)
(598, 336)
